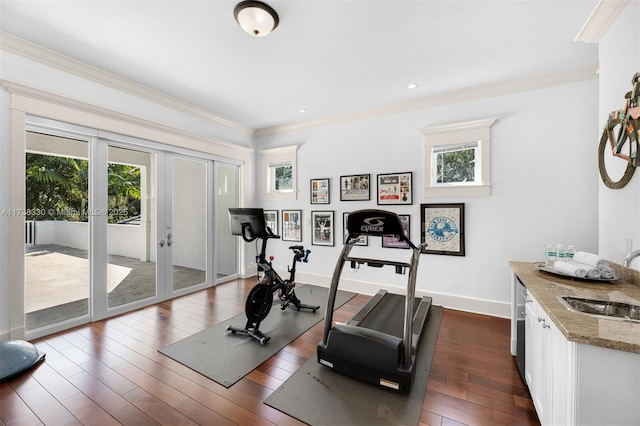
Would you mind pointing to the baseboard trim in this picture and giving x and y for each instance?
(15, 334)
(451, 301)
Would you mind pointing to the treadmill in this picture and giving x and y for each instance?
(378, 345)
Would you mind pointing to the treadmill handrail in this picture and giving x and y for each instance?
(377, 262)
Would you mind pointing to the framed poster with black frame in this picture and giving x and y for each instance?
(363, 240)
(393, 242)
(320, 191)
(355, 188)
(442, 228)
(291, 225)
(395, 188)
(322, 228)
(271, 220)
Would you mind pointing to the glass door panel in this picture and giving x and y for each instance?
(131, 226)
(56, 230)
(227, 191)
(187, 222)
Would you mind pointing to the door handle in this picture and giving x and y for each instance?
(169, 240)
(161, 243)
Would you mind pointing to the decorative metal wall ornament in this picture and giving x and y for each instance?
(622, 134)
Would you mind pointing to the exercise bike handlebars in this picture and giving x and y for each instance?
(300, 254)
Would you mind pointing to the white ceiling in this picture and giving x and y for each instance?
(330, 57)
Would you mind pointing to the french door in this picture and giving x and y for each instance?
(141, 229)
(165, 248)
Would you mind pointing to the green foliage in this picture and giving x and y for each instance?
(283, 177)
(456, 166)
(124, 192)
(58, 189)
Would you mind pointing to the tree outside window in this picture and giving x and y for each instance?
(282, 176)
(57, 188)
(456, 165)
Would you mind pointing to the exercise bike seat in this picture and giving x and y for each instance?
(296, 247)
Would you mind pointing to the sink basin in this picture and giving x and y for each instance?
(602, 308)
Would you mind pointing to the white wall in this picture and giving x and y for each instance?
(544, 190)
(619, 52)
(122, 240)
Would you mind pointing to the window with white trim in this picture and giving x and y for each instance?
(279, 165)
(457, 159)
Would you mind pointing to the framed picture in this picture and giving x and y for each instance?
(320, 191)
(393, 242)
(355, 188)
(442, 228)
(322, 228)
(291, 225)
(363, 240)
(395, 188)
(271, 220)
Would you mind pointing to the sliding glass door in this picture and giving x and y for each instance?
(56, 230)
(131, 222)
(227, 245)
(188, 221)
(115, 223)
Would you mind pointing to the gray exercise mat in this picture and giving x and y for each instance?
(226, 358)
(319, 396)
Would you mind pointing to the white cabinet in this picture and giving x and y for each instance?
(578, 384)
(542, 341)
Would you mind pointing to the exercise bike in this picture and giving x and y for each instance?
(249, 224)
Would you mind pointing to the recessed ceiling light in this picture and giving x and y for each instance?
(303, 110)
(412, 86)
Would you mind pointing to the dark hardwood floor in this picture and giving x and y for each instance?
(110, 372)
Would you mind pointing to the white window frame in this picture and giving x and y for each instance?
(279, 156)
(449, 135)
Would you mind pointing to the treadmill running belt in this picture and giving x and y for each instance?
(388, 315)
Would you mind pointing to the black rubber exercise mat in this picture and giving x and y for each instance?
(226, 358)
(319, 396)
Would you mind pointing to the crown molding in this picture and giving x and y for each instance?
(604, 14)
(483, 91)
(28, 92)
(32, 51)
(455, 127)
(23, 48)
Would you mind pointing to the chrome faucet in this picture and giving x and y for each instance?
(630, 257)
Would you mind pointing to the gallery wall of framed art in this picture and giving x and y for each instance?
(441, 225)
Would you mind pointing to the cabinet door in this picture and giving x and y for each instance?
(545, 390)
(564, 362)
(531, 343)
(539, 359)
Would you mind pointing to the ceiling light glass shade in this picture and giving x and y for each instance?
(256, 18)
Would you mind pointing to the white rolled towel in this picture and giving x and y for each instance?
(572, 269)
(593, 273)
(607, 273)
(590, 259)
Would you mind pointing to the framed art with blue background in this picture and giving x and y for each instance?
(442, 228)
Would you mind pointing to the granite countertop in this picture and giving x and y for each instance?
(579, 327)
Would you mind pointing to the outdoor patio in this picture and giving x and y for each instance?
(57, 282)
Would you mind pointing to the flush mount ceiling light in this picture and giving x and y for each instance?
(256, 18)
